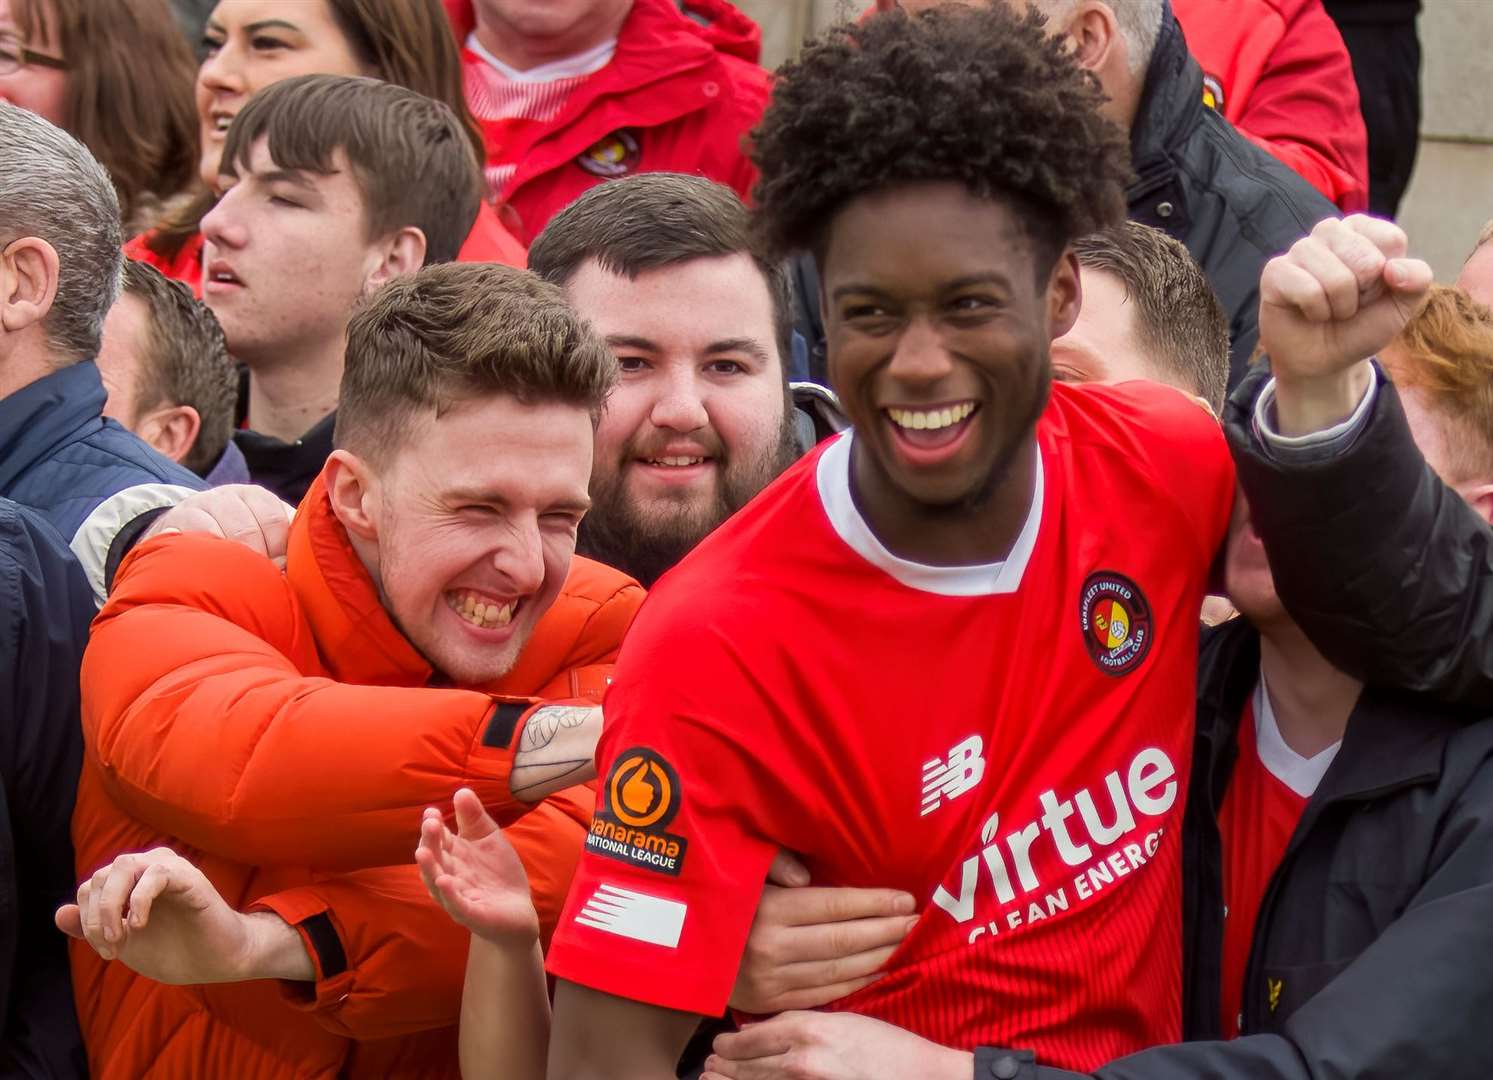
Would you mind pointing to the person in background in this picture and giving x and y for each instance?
(59, 277)
(665, 268)
(251, 44)
(170, 379)
(117, 74)
(1279, 72)
(1477, 272)
(45, 609)
(1147, 313)
(575, 92)
(1382, 40)
(332, 186)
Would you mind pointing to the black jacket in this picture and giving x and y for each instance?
(1422, 589)
(45, 607)
(1370, 951)
(1233, 204)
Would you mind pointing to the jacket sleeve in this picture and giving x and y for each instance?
(397, 961)
(1414, 1003)
(203, 726)
(1388, 571)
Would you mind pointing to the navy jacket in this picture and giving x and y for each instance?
(45, 608)
(60, 457)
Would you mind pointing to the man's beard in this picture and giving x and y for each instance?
(646, 542)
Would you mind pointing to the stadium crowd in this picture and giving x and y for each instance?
(531, 546)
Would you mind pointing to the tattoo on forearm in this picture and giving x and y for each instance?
(557, 749)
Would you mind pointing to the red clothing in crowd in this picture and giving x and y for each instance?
(676, 96)
(488, 242)
(280, 732)
(1279, 72)
(1009, 743)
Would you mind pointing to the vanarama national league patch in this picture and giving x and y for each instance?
(640, 798)
(1116, 622)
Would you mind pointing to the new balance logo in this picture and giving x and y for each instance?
(944, 781)
(634, 915)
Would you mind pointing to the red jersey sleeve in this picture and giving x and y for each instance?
(674, 862)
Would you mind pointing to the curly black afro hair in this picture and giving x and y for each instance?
(979, 96)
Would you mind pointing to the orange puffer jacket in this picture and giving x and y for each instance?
(281, 733)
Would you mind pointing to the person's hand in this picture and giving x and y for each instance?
(809, 947)
(831, 1046)
(243, 512)
(476, 875)
(159, 915)
(1329, 304)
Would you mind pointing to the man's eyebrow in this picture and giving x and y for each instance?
(297, 177)
(992, 278)
(750, 346)
(629, 341)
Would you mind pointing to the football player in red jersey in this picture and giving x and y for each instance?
(1001, 579)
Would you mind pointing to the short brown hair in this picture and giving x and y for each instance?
(1446, 353)
(653, 220)
(459, 331)
(407, 152)
(186, 363)
(130, 76)
(1177, 314)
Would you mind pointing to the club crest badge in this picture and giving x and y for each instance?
(1116, 622)
(616, 155)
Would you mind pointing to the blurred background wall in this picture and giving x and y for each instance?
(1451, 191)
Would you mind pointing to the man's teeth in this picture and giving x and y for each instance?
(676, 462)
(480, 611)
(931, 419)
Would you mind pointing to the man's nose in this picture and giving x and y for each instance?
(520, 559)
(221, 226)
(920, 357)
(680, 406)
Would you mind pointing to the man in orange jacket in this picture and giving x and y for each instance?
(283, 732)
(573, 93)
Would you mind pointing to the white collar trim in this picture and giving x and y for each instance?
(571, 67)
(987, 579)
(1302, 775)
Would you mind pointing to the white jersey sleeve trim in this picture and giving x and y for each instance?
(96, 535)
(985, 579)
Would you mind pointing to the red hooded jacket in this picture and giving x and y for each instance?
(280, 732)
(679, 95)
(1279, 72)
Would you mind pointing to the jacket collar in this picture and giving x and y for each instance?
(38, 418)
(354, 635)
(1171, 103)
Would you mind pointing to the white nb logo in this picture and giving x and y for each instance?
(944, 781)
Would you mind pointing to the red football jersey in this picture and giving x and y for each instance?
(1267, 794)
(1009, 743)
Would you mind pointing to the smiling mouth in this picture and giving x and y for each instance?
(932, 427)
(482, 611)
(674, 462)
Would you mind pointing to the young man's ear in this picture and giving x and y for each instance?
(404, 253)
(29, 270)
(171, 429)
(353, 490)
(1064, 295)
(1480, 498)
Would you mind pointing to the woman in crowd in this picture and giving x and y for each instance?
(249, 44)
(118, 75)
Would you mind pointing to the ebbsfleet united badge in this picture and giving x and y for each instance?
(615, 155)
(1116, 622)
(640, 798)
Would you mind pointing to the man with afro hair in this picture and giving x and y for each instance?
(1000, 577)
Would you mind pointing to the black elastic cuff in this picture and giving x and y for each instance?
(124, 542)
(503, 722)
(330, 956)
(994, 1063)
